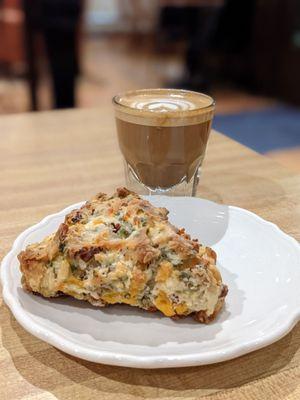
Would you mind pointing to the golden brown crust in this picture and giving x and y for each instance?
(121, 249)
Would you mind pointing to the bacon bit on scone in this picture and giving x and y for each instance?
(120, 249)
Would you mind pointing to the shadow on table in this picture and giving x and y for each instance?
(248, 190)
(49, 369)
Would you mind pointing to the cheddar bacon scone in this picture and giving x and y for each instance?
(121, 249)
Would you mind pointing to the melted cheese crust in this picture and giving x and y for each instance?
(121, 249)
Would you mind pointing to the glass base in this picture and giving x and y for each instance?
(184, 188)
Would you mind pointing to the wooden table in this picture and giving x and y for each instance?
(53, 159)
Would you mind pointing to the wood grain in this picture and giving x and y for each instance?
(52, 159)
(289, 158)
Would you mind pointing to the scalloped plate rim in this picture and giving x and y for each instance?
(129, 360)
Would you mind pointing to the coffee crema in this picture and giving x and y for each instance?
(163, 134)
(164, 107)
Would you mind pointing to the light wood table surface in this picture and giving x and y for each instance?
(53, 159)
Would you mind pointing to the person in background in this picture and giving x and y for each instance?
(57, 21)
(199, 20)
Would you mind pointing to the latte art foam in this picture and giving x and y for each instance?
(164, 107)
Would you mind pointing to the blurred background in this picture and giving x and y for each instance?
(79, 53)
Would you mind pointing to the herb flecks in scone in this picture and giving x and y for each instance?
(121, 249)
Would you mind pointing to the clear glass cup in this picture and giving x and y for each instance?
(163, 135)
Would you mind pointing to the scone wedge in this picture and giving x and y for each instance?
(121, 249)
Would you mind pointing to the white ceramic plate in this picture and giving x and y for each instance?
(259, 263)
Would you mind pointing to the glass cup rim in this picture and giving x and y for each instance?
(117, 102)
